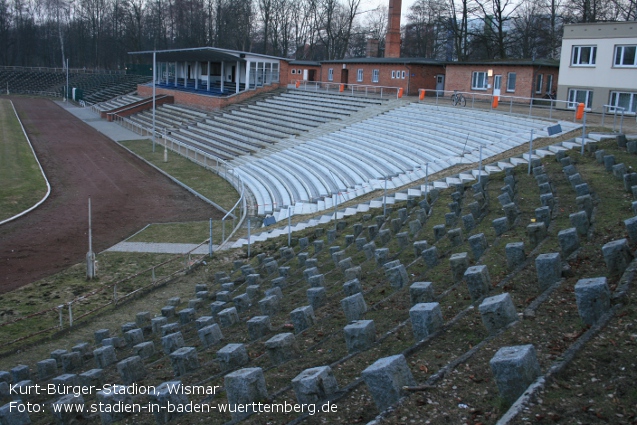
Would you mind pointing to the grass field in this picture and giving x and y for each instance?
(21, 182)
(203, 181)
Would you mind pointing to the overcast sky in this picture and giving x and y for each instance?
(371, 4)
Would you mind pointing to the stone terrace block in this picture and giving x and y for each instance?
(617, 255)
(459, 264)
(245, 386)
(386, 378)
(93, 377)
(172, 342)
(317, 280)
(497, 312)
(21, 373)
(269, 306)
(134, 337)
(302, 318)
(397, 276)
(515, 254)
(60, 412)
(314, 385)
(104, 356)
(579, 220)
(514, 368)
(73, 361)
(549, 269)
(360, 335)
(184, 360)
(421, 292)
(11, 415)
(47, 369)
(241, 302)
(204, 321)
(593, 299)
(131, 370)
(112, 398)
(430, 255)
(144, 350)
(317, 297)
(569, 241)
(478, 244)
(631, 228)
(352, 287)
(354, 307)
(210, 335)
(166, 395)
(281, 348)
(228, 317)
(478, 281)
(232, 356)
(258, 326)
(101, 334)
(426, 319)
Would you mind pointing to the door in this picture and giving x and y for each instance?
(497, 83)
(305, 75)
(189, 77)
(312, 75)
(232, 79)
(344, 76)
(440, 84)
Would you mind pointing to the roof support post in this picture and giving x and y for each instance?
(223, 74)
(176, 74)
(197, 75)
(247, 75)
(208, 76)
(237, 75)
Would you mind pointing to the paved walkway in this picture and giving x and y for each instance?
(161, 248)
(110, 129)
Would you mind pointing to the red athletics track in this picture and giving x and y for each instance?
(126, 194)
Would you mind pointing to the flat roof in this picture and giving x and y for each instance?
(404, 61)
(202, 54)
(626, 29)
(305, 63)
(511, 62)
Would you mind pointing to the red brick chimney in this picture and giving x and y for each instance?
(392, 41)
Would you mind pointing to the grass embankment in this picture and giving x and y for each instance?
(21, 182)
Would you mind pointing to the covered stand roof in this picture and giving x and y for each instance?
(201, 54)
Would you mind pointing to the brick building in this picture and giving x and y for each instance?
(517, 78)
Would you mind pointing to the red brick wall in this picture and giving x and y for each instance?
(416, 76)
(299, 76)
(203, 101)
(458, 77)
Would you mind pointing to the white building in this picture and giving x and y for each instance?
(598, 66)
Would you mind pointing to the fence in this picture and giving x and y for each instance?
(62, 70)
(360, 90)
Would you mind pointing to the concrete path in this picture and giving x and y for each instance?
(110, 129)
(160, 248)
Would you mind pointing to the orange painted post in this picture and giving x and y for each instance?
(496, 99)
(341, 88)
(298, 84)
(580, 111)
(400, 92)
(421, 94)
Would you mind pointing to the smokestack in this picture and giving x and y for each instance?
(372, 48)
(392, 41)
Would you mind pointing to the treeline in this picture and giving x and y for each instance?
(99, 33)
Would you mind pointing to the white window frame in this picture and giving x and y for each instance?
(497, 82)
(515, 79)
(538, 83)
(393, 75)
(632, 106)
(402, 75)
(549, 83)
(293, 71)
(359, 75)
(576, 56)
(572, 99)
(375, 75)
(475, 80)
(330, 74)
(620, 51)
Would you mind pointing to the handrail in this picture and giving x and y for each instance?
(63, 70)
(349, 88)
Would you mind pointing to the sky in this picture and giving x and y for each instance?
(371, 4)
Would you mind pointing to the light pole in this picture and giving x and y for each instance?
(154, 74)
(90, 256)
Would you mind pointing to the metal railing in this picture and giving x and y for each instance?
(63, 70)
(360, 90)
(614, 109)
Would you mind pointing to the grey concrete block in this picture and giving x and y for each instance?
(244, 387)
(232, 356)
(580, 222)
(478, 281)
(172, 342)
(258, 326)
(352, 287)
(419, 247)
(568, 240)
(158, 323)
(359, 335)
(619, 170)
(62, 382)
(617, 256)
(384, 236)
(630, 180)
(631, 147)
(318, 246)
(585, 203)
(386, 378)
(349, 239)
(345, 264)
(167, 312)
(304, 243)
(169, 329)
(599, 156)
(57, 356)
(459, 263)
(309, 272)
(358, 229)
(476, 210)
(609, 161)
(430, 255)
(360, 243)
(381, 255)
(397, 277)
(104, 356)
(67, 409)
(501, 225)
(302, 258)
(317, 297)
(187, 315)
(112, 399)
(426, 319)
(421, 292)
(354, 307)
(242, 302)
(514, 369)
(93, 377)
(439, 232)
(372, 231)
(549, 269)
(210, 335)
(84, 349)
(115, 341)
(504, 199)
(497, 312)
(414, 227)
(515, 254)
(403, 240)
(545, 188)
(278, 282)
(631, 228)
(314, 385)
(455, 237)
(281, 348)
(15, 413)
(201, 287)
(593, 299)
(302, 318)
(184, 360)
(316, 281)
(47, 369)
(204, 321)
(228, 317)
(253, 279)
(216, 307)
(101, 334)
(543, 183)
(353, 273)
(536, 233)
(131, 370)
(169, 402)
(451, 219)
(575, 180)
(621, 140)
(547, 200)
(144, 350)
(582, 189)
(468, 222)
(478, 244)
(270, 305)
(543, 214)
(73, 361)
(223, 296)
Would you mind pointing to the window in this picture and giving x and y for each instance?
(393, 74)
(511, 81)
(625, 56)
(293, 71)
(298, 71)
(538, 83)
(497, 82)
(402, 75)
(549, 83)
(628, 101)
(330, 74)
(375, 73)
(583, 55)
(479, 81)
(359, 76)
(576, 96)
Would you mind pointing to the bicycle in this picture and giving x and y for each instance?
(458, 99)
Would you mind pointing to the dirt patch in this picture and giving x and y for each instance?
(79, 162)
